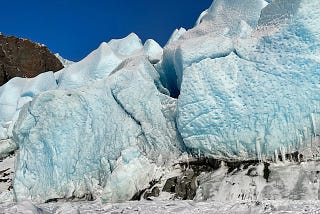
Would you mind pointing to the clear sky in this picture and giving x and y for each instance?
(76, 27)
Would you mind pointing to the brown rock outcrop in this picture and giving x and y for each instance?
(23, 58)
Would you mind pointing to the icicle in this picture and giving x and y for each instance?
(187, 162)
(199, 154)
(289, 151)
(299, 157)
(258, 149)
(222, 164)
(283, 153)
(315, 117)
(276, 156)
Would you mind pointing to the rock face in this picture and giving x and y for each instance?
(23, 58)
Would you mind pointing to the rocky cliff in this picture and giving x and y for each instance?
(23, 58)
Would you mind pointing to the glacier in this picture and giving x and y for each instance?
(243, 84)
(263, 95)
(101, 62)
(212, 37)
(13, 95)
(18, 91)
(72, 142)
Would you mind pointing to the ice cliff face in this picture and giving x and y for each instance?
(13, 95)
(261, 92)
(243, 84)
(213, 37)
(101, 62)
(93, 137)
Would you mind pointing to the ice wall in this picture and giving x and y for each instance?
(13, 95)
(73, 142)
(262, 96)
(102, 61)
(247, 87)
(212, 37)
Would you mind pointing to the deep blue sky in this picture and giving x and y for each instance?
(76, 27)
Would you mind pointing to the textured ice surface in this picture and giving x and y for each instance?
(262, 96)
(6, 147)
(176, 35)
(106, 135)
(172, 206)
(65, 62)
(213, 37)
(225, 15)
(6, 176)
(284, 181)
(291, 187)
(247, 91)
(153, 50)
(101, 62)
(98, 65)
(15, 93)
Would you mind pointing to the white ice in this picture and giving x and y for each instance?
(15, 93)
(86, 141)
(262, 96)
